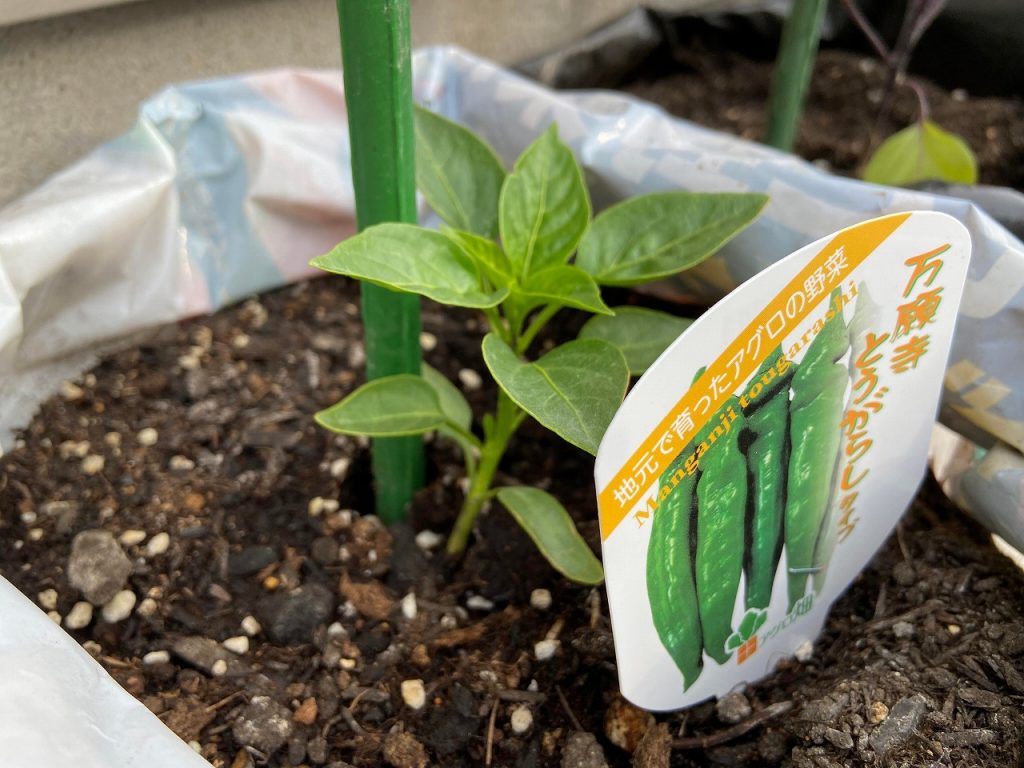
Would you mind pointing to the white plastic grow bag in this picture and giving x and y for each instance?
(228, 187)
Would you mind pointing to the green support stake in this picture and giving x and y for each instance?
(793, 68)
(377, 61)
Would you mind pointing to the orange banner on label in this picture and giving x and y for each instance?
(826, 271)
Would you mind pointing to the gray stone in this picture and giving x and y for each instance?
(291, 617)
(839, 738)
(899, 725)
(582, 750)
(202, 653)
(98, 567)
(263, 724)
(316, 750)
(250, 560)
(733, 708)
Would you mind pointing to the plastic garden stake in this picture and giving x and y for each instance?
(793, 67)
(376, 55)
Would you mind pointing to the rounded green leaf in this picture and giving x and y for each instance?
(564, 285)
(640, 334)
(548, 523)
(544, 208)
(411, 259)
(573, 390)
(486, 253)
(458, 173)
(922, 152)
(653, 236)
(388, 407)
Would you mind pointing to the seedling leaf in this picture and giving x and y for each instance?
(922, 152)
(564, 285)
(573, 390)
(548, 523)
(388, 407)
(650, 237)
(458, 173)
(414, 260)
(544, 208)
(639, 334)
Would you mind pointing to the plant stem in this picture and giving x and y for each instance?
(795, 62)
(536, 326)
(507, 420)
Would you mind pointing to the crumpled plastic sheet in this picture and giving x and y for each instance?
(228, 187)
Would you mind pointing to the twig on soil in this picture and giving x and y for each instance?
(595, 608)
(903, 544)
(714, 739)
(568, 709)
(114, 662)
(488, 753)
(217, 705)
(350, 720)
(521, 697)
(914, 613)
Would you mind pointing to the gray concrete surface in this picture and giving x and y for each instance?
(72, 82)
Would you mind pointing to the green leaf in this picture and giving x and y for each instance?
(412, 259)
(733, 642)
(746, 627)
(762, 617)
(639, 334)
(548, 523)
(922, 152)
(544, 208)
(563, 285)
(389, 407)
(458, 173)
(487, 255)
(653, 236)
(573, 390)
(453, 405)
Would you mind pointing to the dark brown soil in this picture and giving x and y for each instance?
(930, 636)
(728, 91)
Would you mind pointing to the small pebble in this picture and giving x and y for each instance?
(479, 603)
(219, 668)
(147, 436)
(347, 663)
(733, 708)
(147, 608)
(953, 629)
(113, 439)
(804, 651)
(428, 341)
(470, 379)
(71, 391)
(306, 712)
(428, 540)
(251, 626)
(336, 630)
(48, 599)
(413, 694)
(238, 645)
(28, 517)
(74, 449)
(339, 468)
(958, 94)
(540, 599)
(79, 616)
(92, 647)
(159, 544)
(409, 607)
(521, 719)
(120, 607)
(156, 657)
(545, 649)
(179, 463)
(35, 534)
(240, 341)
(196, 747)
(92, 464)
(271, 583)
(903, 629)
(54, 617)
(877, 712)
(131, 537)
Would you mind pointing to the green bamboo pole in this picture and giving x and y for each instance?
(376, 56)
(793, 67)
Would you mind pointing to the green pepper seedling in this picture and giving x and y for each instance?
(519, 247)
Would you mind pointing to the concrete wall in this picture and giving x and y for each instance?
(71, 82)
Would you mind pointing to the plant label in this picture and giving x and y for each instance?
(758, 465)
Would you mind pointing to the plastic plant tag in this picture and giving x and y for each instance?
(758, 465)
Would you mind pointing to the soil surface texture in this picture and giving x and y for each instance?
(181, 515)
